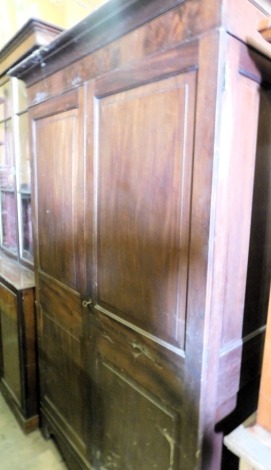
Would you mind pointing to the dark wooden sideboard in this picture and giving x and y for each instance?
(150, 143)
(18, 375)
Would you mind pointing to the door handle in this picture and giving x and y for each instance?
(87, 303)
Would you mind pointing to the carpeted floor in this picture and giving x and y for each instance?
(25, 452)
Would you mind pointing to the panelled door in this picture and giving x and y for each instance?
(59, 227)
(140, 151)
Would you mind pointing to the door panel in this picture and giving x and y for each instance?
(140, 435)
(63, 392)
(56, 141)
(136, 399)
(144, 186)
(68, 313)
(59, 216)
(140, 157)
(143, 194)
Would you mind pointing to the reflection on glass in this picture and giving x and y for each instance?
(2, 154)
(26, 227)
(8, 141)
(5, 99)
(24, 154)
(7, 179)
(8, 214)
(2, 133)
(5, 142)
(2, 144)
(2, 109)
(22, 96)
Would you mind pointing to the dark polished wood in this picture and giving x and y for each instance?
(18, 342)
(61, 265)
(31, 36)
(147, 196)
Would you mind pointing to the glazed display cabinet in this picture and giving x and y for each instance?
(18, 355)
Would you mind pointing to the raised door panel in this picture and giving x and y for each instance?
(140, 157)
(130, 427)
(59, 229)
(56, 141)
(63, 392)
(143, 196)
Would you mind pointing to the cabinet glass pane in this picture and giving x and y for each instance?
(2, 109)
(6, 143)
(22, 96)
(7, 179)
(2, 153)
(2, 133)
(8, 216)
(5, 99)
(26, 228)
(24, 154)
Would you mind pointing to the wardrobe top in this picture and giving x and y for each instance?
(117, 18)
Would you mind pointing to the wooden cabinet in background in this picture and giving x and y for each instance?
(15, 165)
(149, 208)
(18, 360)
(18, 381)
